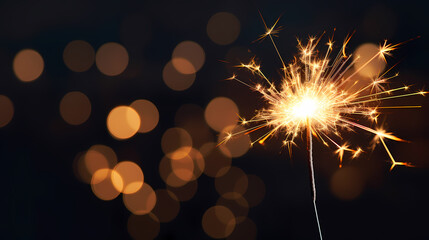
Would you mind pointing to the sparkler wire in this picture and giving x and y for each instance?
(311, 171)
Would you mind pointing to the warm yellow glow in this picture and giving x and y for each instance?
(325, 96)
(306, 108)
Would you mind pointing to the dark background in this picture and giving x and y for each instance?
(42, 199)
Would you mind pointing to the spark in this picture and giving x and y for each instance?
(320, 96)
(314, 88)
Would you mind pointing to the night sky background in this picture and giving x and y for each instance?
(42, 198)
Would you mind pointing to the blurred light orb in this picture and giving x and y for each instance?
(176, 80)
(233, 184)
(176, 143)
(131, 177)
(238, 206)
(218, 222)
(102, 184)
(220, 113)
(111, 59)
(28, 65)
(141, 202)
(149, 114)
(238, 145)
(216, 163)
(347, 183)
(123, 122)
(6, 110)
(75, 108)
(186, 192)
(188, 57)
(79, 56)
(363, 54)
(223, 28)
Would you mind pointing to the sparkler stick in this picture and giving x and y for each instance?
(313, 96)
(311, 171)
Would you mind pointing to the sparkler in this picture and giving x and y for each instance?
(315, 97)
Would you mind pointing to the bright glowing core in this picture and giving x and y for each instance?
(305, 108)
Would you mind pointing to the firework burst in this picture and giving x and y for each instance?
(320, 96)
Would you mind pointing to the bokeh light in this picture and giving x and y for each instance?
(149, 114)
(218, 222)
(238, 145)
(363, 54)
(168, 175)
(141, 202)
(238, 206)
(188, 57)
(78, 56)
(123, 122)
(102, 184)
(233, 184)
(131, 177)
(217, 164)
(347, 183)
(75, 108)
(28, 65)
(111, 59)
(220, 113)
(186, 192)
(6, 110)
(98, 157)
(167, 205)
(143, 227)
(223, 28)
(176, 143)
(175, 79)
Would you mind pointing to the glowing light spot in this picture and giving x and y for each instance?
(141, 202)
(306, 108)
(111, 59)
(75, 108)
(365, 53)
(102, 184)
(149, 115)
(174, 139)
(78, 56)
(218, 222)
(28, 65)
(123, 122)
(223, 28)
(192, 53)
(217, 164)
(186, 192)
(220, 113)
(6, 110)
(175, 79)
(238, 206)
(233, 184)
(131, 177)
(235, 146)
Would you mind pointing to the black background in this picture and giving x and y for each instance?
(42, 199)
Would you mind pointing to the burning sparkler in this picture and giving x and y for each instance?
(315, 97)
